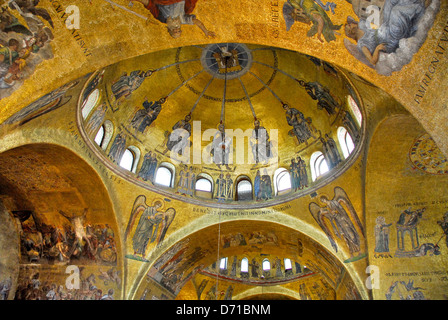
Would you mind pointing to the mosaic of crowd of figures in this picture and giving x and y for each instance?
(74, 242)
(51, 253)
(26, 33)
(49, 283)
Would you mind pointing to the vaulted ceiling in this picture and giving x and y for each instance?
(70, 203)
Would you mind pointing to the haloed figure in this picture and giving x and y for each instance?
(175, 13)
(400, 21)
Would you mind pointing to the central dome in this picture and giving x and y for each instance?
(227, 60)
(213, 117)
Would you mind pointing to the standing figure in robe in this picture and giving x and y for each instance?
(220, 187)
(148, 167)
(229, 187)
(265, 187)
(117, 149)
(178, 138)
(126, 84)
(295, 178)
(301, 128)
(221, 147)
(144, 169)
(381, 235)
(303, 175)
(331, 152)
(260, 144)
(257, 185)
(96, 119)
(143, 118)
(325, 99)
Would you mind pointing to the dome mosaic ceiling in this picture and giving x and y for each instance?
(305, 135)
(275, 106)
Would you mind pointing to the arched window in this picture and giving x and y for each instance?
(244, 190)
(244, 265)
(203, 184)
(90, 103)
(266, 265)
(288, 264)
(100, 136)
(355, 109)
(223, 263)
(345, 141)
(282, 180)
(288, 267)
(127, 160)
(318, 165)
(164, 176)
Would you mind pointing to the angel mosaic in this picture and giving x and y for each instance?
(397, 20)
(152, 225)
(338, 219)
(311, 12)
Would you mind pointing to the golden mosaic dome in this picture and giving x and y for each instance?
(276, 107)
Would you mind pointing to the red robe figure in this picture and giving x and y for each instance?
(175, 13)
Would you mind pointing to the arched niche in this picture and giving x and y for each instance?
(198, 256)
(66, 220)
